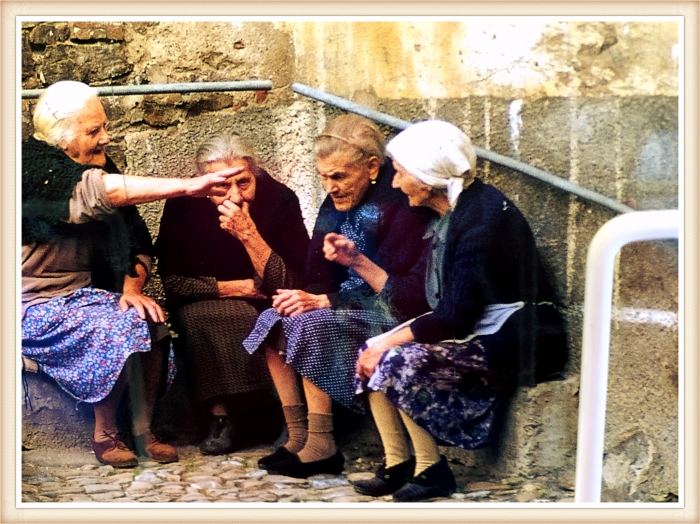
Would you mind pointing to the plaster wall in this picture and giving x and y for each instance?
(593, 102)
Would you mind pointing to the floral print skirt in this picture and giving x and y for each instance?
(446, 388)
(83, 340)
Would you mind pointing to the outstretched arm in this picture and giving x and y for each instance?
(123, 190)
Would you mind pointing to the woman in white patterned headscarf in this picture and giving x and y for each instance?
(443, 376)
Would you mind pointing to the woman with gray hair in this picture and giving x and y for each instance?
(220, 261)
(85, 260)
(442, 377)
(310, 337)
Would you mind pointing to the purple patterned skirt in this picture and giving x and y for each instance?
(83, 340)
(446, 388)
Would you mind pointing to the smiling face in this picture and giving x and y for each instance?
(239, 188)
(344, 181)
(418, 193)
(90, 135)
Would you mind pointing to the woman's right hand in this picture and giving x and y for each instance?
(239, 288)
(338, 248)
(211, 184)
(293, 302)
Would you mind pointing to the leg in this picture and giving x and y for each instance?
(107, 447)
(398, 464)
(144, 383)
(286, 382)
(432, 477)
(320, 443)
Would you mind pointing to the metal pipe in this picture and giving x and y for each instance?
(187, 87)
(486, 154)
(597, 311)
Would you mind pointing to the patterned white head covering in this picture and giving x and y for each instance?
(437, 153)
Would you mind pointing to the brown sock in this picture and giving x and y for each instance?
(295, 417)
(320, 443)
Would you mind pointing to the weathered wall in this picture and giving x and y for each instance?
(595, 103)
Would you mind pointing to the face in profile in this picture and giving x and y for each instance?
(417, 192)
(90, 135)
(239, 188)
(344, 181)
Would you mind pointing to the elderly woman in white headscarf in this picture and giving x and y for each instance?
(442, 377)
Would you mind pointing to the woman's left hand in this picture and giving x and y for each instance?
(236, 220)
(142, 304)
(369, 359)
(293, 302)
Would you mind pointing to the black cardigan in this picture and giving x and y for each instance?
(490, 258)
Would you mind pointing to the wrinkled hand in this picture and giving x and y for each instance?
(142, 304)
(370, 357)
(239, 288)
(211, 184)
(340, 249)
(236, 220)
(293, 302)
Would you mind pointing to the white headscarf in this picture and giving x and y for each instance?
(436, 153)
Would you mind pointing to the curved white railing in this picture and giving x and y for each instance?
(597, 310)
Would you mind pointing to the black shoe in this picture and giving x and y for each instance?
(220, 439)
(387, 480)
(279, 455)
(436, 481)
(294, 467)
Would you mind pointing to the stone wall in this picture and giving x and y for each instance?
(595, 103)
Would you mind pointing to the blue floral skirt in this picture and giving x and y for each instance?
(446, 388)
(83, 340)
(322, 345)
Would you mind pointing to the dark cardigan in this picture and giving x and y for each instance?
(491, 258)
(394, 242)
(191, 243)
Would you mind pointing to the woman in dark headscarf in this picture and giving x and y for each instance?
(220, 260)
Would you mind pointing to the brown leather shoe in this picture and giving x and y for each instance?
(149, 446)
(114, 452)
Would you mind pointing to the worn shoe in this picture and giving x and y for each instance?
(221, 437)
(279, 455)
(386, 480)
(114, 452)
(149, 446)
(294, 467)
(436, 481)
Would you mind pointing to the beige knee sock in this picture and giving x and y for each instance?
(391, 430)
(427, 452)
(295, 417)
(320, 443)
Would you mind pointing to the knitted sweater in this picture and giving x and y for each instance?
(490, 258)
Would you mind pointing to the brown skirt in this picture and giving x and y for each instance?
(213, 331)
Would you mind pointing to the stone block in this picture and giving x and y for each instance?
(46, 34)
(92, 65)
(87, 31)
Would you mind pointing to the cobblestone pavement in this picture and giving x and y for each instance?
(76, 476)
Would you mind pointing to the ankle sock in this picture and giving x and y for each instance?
(320, 443)
(295, 417)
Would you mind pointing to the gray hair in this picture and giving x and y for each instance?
(354, 135)
(57, 109)
(226, 147)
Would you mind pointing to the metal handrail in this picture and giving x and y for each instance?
(182, 87)
(486, 154)
(595, 352)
